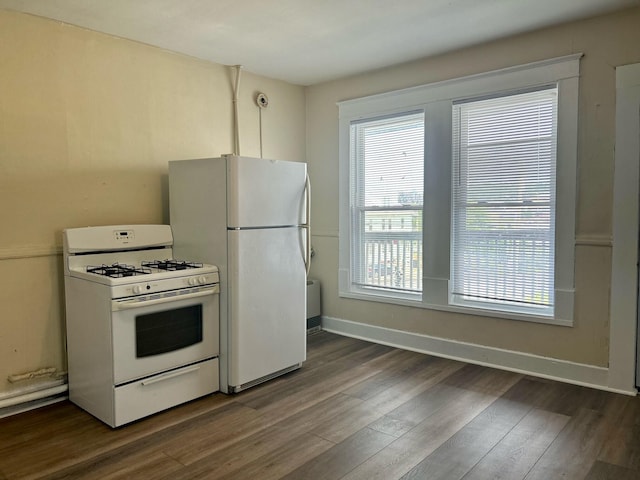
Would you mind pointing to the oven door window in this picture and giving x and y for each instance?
(168, 330)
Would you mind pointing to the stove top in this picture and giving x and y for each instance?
(134, 278)
(147, 267)
(171, 265)
(117, 270)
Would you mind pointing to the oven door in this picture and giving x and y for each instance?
(156, 333)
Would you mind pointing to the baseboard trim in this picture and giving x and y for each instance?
(526, 363)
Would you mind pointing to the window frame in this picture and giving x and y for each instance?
(463, 169)
(358, 211)
(436, 100)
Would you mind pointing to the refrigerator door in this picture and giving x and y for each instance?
(267, 302)
(265, 193)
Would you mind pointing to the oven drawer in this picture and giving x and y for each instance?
(159, 392)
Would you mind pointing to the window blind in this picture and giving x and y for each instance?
(504, 169)
(387, 195)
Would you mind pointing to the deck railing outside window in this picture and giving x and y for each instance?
(393, 260)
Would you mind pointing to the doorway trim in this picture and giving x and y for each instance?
(626, 195)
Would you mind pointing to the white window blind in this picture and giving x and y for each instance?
(504, 177)
(387, 161)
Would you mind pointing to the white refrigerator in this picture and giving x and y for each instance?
(250, 217)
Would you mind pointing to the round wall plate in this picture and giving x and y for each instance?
(262, 100)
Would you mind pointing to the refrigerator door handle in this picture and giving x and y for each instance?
(307, 224)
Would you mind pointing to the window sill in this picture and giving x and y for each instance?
(483, 312)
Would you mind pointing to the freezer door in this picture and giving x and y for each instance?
(265, 193)
(267, 307)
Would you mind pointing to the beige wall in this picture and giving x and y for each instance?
(607, 42)
(87, 125)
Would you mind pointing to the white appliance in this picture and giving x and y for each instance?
(142, 328)
(250, 217)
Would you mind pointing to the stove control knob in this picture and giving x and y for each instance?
(202, 280)
(137, 289)
(193, 281)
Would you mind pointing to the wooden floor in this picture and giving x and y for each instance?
(355, 410)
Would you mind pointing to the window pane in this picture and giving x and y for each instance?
(504, 199)
(386, 215)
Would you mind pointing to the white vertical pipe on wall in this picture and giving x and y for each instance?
(236, 122)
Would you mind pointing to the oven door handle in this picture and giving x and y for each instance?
(131, 304)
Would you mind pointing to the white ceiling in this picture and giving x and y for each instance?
(310, 41)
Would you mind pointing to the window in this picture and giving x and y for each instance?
(387, 161)
(461, 194)
(504, 201)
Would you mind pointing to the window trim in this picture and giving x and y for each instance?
(436, 100)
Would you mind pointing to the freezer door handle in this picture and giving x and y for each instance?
(307, 225)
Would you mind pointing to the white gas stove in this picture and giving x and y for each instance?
(142, 327)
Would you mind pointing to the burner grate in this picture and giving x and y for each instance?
(171, 265)
(117, 270)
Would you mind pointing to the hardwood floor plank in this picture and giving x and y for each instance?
(61, 453)
(284, 404)
(347, 350)
(345, 369)
(400, 362)
(417, 409)
(622, 448)
(122, 465)
(406, 452)
(520, 449)
(55, 451)
(455, 457)
(413, 384)
(340, 459)
(56, 436)
(324, 347)
(606, 471)
(483, 379)
(631, 412)
(386, 424)
(210, 435)
(372, 411)
(468, 378)
(567, 399)
(347, 423)
(574, 451)
(292, 455)
(266, 441)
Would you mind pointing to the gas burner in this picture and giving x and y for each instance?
(171, 265)
(117, 270)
